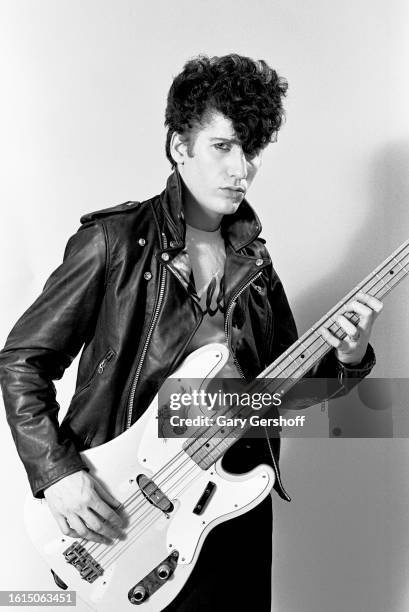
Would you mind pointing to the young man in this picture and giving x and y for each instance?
(144, 284)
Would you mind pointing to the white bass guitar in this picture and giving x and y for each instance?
(174, 491)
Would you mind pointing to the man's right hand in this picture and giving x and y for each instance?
(84, 509)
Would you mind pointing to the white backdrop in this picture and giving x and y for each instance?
(84, 85)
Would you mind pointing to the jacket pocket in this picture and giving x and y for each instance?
(98, 370)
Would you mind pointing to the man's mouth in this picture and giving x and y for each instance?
(234, 190)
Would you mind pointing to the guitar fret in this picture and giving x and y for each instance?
(399, 264)
(305, 349)
(381, 281)
(394, 281)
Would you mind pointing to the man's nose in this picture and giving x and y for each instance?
(238, 164)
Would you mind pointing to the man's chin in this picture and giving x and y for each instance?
(233, 206)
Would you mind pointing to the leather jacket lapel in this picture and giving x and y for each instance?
(239, 231)
(239, 270)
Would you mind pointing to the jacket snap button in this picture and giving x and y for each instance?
(165, 256)
(147, 275)
(142, 241)
(259, 262)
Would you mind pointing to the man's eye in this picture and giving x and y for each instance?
(252, 155)
(222, 146)
(253, 158)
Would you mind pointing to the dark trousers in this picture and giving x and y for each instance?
(233, 571)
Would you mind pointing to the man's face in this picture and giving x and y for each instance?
(217, 173)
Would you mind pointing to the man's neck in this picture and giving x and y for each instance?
(197, 216)
(202, 221)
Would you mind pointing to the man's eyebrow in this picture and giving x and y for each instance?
(232, 140)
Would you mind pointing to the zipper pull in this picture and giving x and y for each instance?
(103, 363)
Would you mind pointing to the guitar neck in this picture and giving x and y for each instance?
(212, 442)
(301, 356)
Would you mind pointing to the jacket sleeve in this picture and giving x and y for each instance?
(42, 344)
(339, 378)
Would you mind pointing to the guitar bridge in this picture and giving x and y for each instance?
(86, 565)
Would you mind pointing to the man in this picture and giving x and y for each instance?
(144, 284)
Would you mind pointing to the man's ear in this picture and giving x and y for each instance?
(178, 148)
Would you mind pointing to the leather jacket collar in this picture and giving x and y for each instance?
(239, 229)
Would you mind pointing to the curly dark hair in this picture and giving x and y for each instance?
(246, 91)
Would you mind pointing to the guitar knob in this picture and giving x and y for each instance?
(138, 594)
(163, 571)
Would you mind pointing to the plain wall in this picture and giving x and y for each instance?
(84, 86)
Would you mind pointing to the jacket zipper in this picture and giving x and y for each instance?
(226, 321)
(98, 370)
(148, 337)
(103, 363)
(226, 333)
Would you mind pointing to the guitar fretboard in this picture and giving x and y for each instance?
(212, 442)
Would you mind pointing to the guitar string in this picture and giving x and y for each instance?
(322, 343)
(144, 527)
(386, 291)
(182, 453)
(293, 372)
(353, 293)
(154, 514)
(127, 504)
(152, 509)
(185, 477)
(375, 284)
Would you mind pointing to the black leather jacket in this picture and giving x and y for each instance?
(123, 294)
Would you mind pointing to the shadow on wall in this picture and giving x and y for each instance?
(381, 543)
(384, 229)
(389, 191)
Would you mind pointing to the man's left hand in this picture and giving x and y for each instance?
(352, 348)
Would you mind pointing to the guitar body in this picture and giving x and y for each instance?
(160, 547)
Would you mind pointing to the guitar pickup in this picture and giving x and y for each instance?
(153, 494)
(205, 498)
